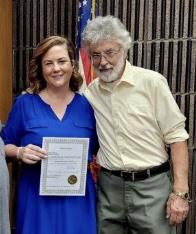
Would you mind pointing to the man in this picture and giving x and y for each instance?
(136, 118)
(4, 192)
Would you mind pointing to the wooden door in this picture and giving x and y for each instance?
(5, 58)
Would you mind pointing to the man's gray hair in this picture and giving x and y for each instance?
(106, 28)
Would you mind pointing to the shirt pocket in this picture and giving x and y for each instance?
(35, 123)
(84, 124)
(84, 128)
(140, 117)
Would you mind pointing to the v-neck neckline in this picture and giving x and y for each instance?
(67, 111)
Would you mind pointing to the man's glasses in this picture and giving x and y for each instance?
(108, 55)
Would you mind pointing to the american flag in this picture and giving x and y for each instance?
(86, 8)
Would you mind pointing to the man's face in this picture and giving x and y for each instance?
(108, 59)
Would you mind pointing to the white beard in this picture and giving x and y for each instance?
(111, 76)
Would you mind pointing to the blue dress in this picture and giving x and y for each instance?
(30, 120)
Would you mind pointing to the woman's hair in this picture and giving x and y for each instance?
(36, 79)
(106, 28)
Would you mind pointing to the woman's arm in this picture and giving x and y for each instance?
(29, 154)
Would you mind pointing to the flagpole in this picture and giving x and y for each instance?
(93, 9)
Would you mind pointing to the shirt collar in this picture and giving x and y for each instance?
(128, 74)
(127, 77)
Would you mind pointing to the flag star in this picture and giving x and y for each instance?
(80, 5)
(84, 2)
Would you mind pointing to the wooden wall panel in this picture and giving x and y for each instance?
(5, 58)
(33, 20)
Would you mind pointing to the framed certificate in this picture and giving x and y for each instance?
(63, 173)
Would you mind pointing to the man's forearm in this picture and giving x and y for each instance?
(180, 161)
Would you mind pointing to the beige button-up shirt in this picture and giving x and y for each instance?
(136, 118)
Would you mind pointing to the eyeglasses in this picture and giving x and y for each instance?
(108, 55)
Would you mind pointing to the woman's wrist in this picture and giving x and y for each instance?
(19, 154)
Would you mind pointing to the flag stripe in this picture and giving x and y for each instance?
(86, 8)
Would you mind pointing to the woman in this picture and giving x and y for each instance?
(50, 108)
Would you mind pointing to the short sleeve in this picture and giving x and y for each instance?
(12, 131)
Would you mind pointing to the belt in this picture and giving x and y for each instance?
(140, 175)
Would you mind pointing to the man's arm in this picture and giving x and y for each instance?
(177, 207)
(180, 161)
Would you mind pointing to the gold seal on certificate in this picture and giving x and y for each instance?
(72, 179)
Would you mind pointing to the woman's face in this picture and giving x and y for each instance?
(57, 67)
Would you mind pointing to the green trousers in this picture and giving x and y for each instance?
(139, 207)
